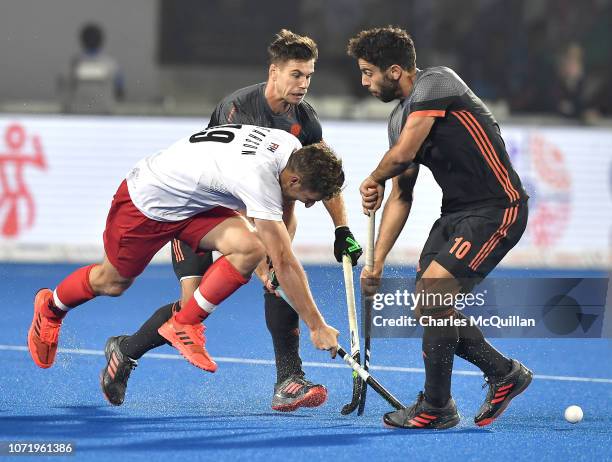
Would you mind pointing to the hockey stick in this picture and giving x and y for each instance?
(363, 374)
(367, 308)
(354, 334)
(371, 381)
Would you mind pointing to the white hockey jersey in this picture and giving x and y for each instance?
(234, 166)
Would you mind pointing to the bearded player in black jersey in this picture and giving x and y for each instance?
(441, 124)
(278, 103)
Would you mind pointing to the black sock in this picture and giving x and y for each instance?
(147, 337)
(474, 348)
(59, 313)
(284, 326)
(439, 345)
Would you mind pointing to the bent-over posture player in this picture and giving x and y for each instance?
(440, 123)
(277, 103)
(191, 191)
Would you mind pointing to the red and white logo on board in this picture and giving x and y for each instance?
(546, 176)
(17, 206)
(551, 209)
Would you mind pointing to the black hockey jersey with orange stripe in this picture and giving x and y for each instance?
(464, 150)
(249, 106)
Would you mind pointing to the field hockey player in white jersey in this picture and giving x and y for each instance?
(192, 191)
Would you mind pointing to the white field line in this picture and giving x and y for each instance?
(267, 362)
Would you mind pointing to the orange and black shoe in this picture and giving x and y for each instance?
(44, 332)
(189, 340)
(501, 392)
(423, 416)
(114, 377)
(295, 391)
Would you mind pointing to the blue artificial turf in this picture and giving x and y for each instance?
(174, 411)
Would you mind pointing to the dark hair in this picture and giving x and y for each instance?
(319, 169)
(92, 37)
(383, 47)
(288, 45)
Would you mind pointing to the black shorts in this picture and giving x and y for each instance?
(187, 263)
(471, 243)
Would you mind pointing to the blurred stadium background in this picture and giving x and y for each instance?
(543, 67)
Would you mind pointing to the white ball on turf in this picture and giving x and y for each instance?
(573, 414)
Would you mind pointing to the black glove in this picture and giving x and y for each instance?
(345, 244)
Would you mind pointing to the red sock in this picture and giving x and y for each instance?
(75, 289)
(219, 282)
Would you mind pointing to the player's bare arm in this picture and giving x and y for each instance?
(395, 213)
(290, 220)
(395, 161)
(337, 210)
(292, 278)
(344, 242)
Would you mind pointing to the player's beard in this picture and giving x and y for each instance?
(388, 90)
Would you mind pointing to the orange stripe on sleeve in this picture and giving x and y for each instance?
(428, 113)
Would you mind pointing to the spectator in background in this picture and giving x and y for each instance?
(570, 92)
(94, 82)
